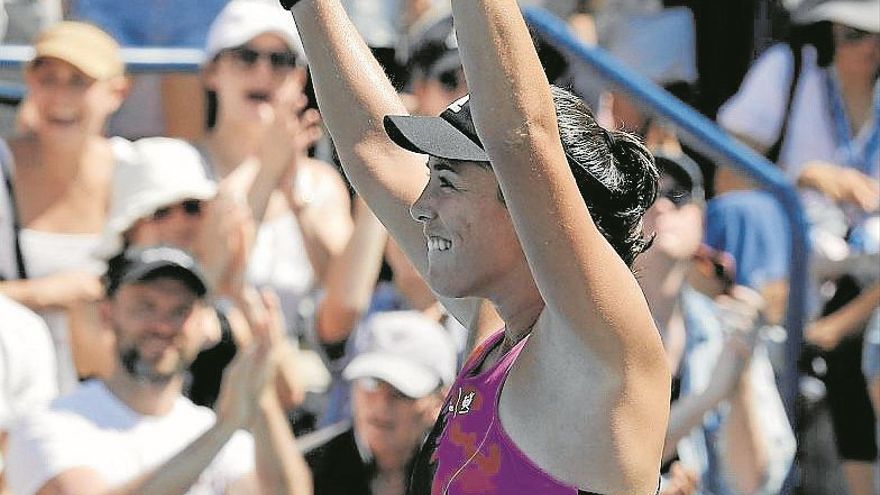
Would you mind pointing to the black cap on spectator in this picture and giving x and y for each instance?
(684, 171)
(434, 55)
(141, 264)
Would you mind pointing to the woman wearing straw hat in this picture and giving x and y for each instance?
(57, 174)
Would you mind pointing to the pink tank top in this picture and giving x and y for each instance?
(468, 451)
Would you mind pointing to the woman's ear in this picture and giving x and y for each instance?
(120, 87)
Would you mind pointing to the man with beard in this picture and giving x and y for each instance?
(135, 432)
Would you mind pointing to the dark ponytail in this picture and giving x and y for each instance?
(620, 162)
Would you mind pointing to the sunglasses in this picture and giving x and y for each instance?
(190, 207)
(676, 193)
(248, 57)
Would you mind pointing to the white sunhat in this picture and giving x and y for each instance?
(243, 20)
(157, 172)
(406, 349)
(860, 14)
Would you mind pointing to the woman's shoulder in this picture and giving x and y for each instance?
(322, 171)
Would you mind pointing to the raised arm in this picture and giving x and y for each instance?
(354, 95)
(351, 278)
(595, 331)
(584, 283)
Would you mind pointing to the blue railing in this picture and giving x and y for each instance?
(703, 134)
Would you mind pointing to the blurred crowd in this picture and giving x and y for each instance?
(193, 299)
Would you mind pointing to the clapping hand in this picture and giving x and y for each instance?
(842, 184)
(740, 313)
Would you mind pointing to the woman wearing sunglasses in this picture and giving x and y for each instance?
(260, 130)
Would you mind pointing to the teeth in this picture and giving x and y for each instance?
(438, 244)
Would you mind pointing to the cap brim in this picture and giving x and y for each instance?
(433, 136)
(83, 60)
(163, 268)
(412, 380)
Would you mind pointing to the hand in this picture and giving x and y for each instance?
(823, 334)
(268, 326)
(739, 313)
(224, 240)
(841, 184)
(681, 481)
(289, 129)
(244, 383)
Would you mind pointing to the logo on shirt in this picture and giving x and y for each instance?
(462, 405)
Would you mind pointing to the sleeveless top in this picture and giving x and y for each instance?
(279, 261)
(50, 253)
(468, 451)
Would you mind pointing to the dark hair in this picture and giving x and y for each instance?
(618, 160)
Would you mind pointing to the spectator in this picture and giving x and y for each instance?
(434, 66)
(255, 70)
(162, 196)
(27, 368)
(833, 155)
(171, 104)
(727, 421)
(398, 382)
(58, 175)
(134, 432)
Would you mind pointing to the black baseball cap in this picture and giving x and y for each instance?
(435, 51)
(451, 136)
(684, 171)
(147, 263)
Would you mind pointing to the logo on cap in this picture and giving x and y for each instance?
(458, 104)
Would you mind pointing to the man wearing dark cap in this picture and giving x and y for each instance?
(135, 432)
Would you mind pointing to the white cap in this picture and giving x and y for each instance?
(860, 14)
(243, 20)
(406, 349)
(157, 172)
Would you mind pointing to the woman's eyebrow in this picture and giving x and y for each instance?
(440, 165)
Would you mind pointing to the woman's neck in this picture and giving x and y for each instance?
(519, 311)
(857, 90)
(231, 144)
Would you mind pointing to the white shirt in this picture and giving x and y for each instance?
(757, 109)
(27, 362)
(91, 428)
